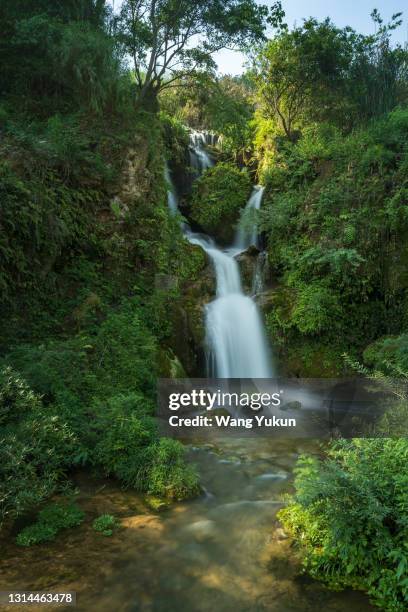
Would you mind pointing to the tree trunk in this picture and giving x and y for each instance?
(147, 98)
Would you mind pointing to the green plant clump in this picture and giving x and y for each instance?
(350, 518)
(218, 197)
(105, 524)
(50, 521)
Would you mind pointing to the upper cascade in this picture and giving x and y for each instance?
(200, 159)
(235, 336)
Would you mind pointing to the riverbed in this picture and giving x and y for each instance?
(223, 551)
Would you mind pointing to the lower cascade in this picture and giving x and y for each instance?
(235, 337)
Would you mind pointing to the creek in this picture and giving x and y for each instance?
(223, 551)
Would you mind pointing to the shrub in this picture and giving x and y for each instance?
(316, 309)
(123, 443)
(36, 534)
(129, 449)
(35, 449)
(61, 516)
(51, 520)
(350, 517)
(169, 475)
(16, 397)
(218, 196)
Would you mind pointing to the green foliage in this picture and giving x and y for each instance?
(228, 111)
(36, 447)
(51, 520)
(61, 516)
(16, 397)
(169, 475)
(105, 524)
(318, 72)
(388, 355)
(128, 448)
(315, 309)
(218, 196)
(36, 534)
(170, 40)
(124, 447)
(69, 56)
(175, 136)
(333, 215)
(349, 515)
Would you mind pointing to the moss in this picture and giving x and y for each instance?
(218, 196)
(169, 364)
(311, 359)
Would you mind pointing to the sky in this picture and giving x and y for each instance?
(355, 13)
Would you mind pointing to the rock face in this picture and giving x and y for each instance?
(187, 340)
(247, 262)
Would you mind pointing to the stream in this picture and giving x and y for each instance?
(223, 551)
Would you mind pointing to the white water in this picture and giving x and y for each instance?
(199, 158)
(247, 234)
(235, 337)
(171, 194)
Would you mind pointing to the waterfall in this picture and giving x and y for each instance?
(235, 337)
(171, 193)
(234, 331)
(199, 158)
(247, 233)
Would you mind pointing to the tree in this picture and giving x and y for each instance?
(67, 49)
(318, 72)
(172, 39)
(302, 71)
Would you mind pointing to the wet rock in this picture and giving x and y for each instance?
(187, 340)
(170, 365)
(280, 534)
(202, 530)
(247, 265)
(271, 476)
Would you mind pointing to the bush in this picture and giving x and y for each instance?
(316, 309)
(128, 448)
(350, 517)
(389, 355)
(51, 520)
(334, 217)
(123, 449)
(61, 516)
(16, 397)
(169, 475)
(36, 534)
(218, 196)
(36, 447)
(105, 524)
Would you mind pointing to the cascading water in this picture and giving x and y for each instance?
(171, 194)
(247, 233)
(199, 158)
(236, 342)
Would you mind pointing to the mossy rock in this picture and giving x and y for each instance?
(313, 360)
(157, 504)
(247, 262)
(217, 199)
(169, 365)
